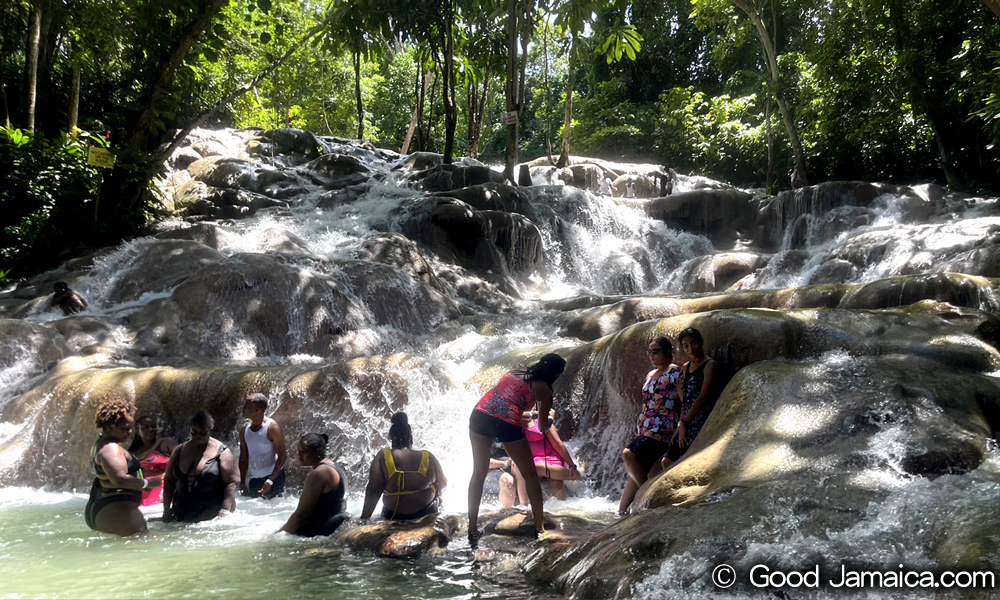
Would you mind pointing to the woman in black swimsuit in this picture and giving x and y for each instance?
(696, 388)
(322, 507)
(116, 493)
(201, 477)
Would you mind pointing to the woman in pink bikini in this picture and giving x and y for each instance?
(153, 453)
(553, 461)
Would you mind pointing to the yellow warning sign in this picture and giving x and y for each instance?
(99, 157)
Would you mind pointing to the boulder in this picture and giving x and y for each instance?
(197, 198)
(723, 216)
(158, 265)
(397, 250)
(339, 197)
(493, 243)
(249, 305)
(224, 172)
(446, 177)
(289, 141)
(493, 196)
(834, 271)
(206, 234)
(183, 157)
(717, 272)
(403, 539)
(959, 290)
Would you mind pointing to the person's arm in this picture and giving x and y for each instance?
(543, 397)
(499, 464)
(231, 475)
(244, 462)
(167, 445)
(376, 484)
(560, 447)
(168, 486)
(706, 392)
(116, 467)
(440, 481)
(311, 492)
(83, 301)
(278, 439)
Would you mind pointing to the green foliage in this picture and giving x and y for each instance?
(711, 134)
(46, 193)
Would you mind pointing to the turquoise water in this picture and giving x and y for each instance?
(47, 551)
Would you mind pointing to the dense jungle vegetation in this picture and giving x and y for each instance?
(741, 90)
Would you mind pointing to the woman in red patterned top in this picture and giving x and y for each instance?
(497, 416)
(657, 420)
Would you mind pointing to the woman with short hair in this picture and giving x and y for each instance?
(115, 495)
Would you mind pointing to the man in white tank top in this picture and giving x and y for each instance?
(262, 451)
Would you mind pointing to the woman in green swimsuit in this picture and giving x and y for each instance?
(116, 493)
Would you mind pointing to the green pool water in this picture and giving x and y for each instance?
(47, 551)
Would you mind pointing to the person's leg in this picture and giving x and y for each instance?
(628, 495)
(508, 490)
(558, 489)
(120, 518)
(522, 491)
(481, 446)
(520, 452)
(633, 467)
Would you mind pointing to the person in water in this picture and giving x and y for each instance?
(657, 420)
(696, 388)
(116, 493)
(497, 416)
(153, 453)
(322, 506)
(262, 451)
(409, 481)
(65, 298)
(553, 462)
(201, 477)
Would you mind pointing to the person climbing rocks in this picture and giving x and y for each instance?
(65, 298)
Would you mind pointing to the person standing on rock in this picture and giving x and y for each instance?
(497, 416)
(696, 388)
(657, 420)
(409, 481)
(606, 186)
(115, 495)
(202, 476)
(262, 451)
(322, 506)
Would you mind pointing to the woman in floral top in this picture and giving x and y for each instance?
(657, 420)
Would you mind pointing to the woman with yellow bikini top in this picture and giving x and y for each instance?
(409, 481)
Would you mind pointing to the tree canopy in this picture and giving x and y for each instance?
(741, 90)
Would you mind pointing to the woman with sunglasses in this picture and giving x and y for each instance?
(657, 420)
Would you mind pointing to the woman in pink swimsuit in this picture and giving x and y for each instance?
(153, 453)
(553, 461)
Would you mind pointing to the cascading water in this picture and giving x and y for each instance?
(296, 289)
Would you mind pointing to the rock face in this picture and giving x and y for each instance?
(720, 215)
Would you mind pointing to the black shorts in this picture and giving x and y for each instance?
(674, 452)
(504, 432)
(648, 451)
(255, 485)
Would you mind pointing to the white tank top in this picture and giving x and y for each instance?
(261, 450)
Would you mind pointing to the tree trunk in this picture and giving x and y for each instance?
(430, 114)
(31, 64)
(419, 90)
(3, 95)
(513, 103)
(567, 124)
(994, 6)
(74, 99)
(448, 84)
(161, 85)
(769, 181)
(771, 60)
(357, 94)
(548, 95)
